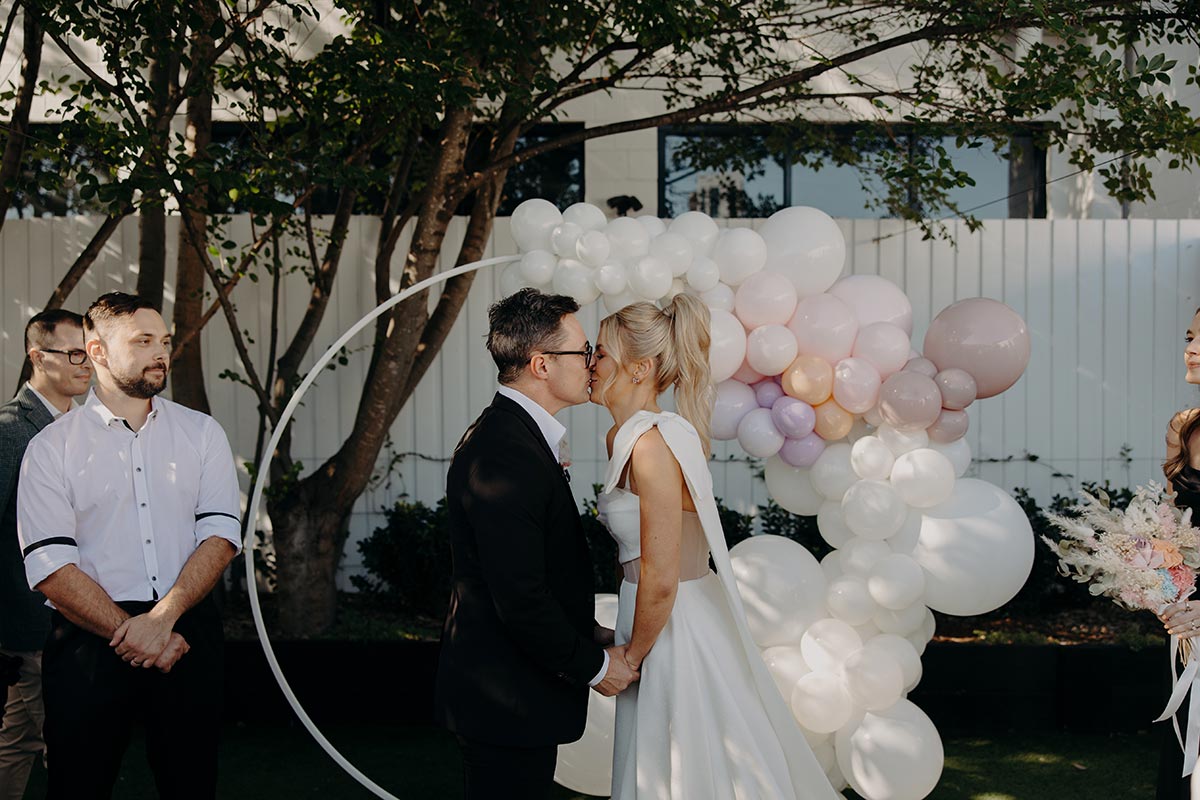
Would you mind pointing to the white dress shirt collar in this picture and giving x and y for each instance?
(54, 412)
(104, 414)
(552, 430)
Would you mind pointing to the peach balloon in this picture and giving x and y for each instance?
(984, 337)
(810, 379)
(833, 421)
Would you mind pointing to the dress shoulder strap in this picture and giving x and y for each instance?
(679, 435)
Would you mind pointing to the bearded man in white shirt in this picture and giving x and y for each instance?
(128, 512)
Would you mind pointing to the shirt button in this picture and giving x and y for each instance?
(154, 577)
(147, 541)
(139, 469)
(143, 505)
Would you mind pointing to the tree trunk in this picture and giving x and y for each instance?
(152, 253)
(309, 534)
(152, 222)
(18, 126)
(187, 371)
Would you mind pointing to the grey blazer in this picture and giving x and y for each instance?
(24, 617)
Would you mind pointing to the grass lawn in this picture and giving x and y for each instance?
(267, 762)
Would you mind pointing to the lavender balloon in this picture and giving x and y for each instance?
(767, 393)
(794, 418)
(802, 452)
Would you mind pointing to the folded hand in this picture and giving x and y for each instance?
(619, 674)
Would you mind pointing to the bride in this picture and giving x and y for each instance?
(706, 720)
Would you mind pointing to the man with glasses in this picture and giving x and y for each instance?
(61, 371)
(520, 644)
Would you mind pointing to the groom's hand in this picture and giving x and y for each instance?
(619, 674)
(605, 637)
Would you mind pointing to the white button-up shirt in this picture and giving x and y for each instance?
(127, 508)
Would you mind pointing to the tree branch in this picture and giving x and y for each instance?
(14, 143)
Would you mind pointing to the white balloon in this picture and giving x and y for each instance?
(873, 416)
(615, 302)
(629, 239)
(650, 277)
(574, 279)
(831, 522)
(586, 216)
(831, 565)
(826, 644)
(674, 250)
(704, 275)
(896, 581)
(820, 702)
(849, 600)
(787, 667)
(905, 540)
(873, 680)
(782, 588)
(901, 621)
(860, 429)
(867, 630)
(923, 477)
(720, 297)
(826, 754)
(770, 349)
(698, 228)
(792, 488)
(733, 401)
(959, 453)
(976, 548)
(727, 345)
(740, 252)
(532, 222)
(873, 509)
(611, 278)
(537, 267)
(592, 248)
(900, 442)
(901, 651)
(894, 754)
(586, 765)
(511, 280)
(564, 237)
(758, 435)
(831, 473)
(860, 555)
(653, 225)
(806, 245)
(871, 459)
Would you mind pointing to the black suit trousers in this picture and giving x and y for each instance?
(496, 772)
(93, 699)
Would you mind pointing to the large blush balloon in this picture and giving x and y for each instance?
(727, 345)
(884, 345)
(984, 337)
(910, 401)
(532, 223)
(740, 252)
(765, 298)
(809, 378)
(856, 385)
(873, 298)
(782, 587)
(805, 245)
(976, 549)
(733, 401)
(825, 327)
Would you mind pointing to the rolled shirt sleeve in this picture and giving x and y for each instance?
(218, 503)
(45, 517)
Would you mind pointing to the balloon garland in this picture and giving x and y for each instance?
(816, 373)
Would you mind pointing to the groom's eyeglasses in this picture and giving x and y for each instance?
(586, 352)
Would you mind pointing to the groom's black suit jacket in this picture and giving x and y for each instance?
(517, 648)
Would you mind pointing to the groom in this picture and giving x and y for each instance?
(520, 645)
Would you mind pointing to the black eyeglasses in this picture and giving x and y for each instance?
(586, 352)
(75, 357)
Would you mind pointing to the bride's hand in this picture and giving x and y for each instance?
(1182, 619)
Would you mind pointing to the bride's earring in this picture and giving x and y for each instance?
(636, 379)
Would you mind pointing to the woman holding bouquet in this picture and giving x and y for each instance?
(1182, 470)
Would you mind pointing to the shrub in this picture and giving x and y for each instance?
(407, 560)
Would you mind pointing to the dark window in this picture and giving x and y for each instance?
(556, 175)
(756, 173)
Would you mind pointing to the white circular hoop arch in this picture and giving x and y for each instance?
(256, 497)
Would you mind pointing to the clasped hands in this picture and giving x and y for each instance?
(620, 672)
(1182, 619)
(149, 640)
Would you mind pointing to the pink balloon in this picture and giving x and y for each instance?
(747, 375)
(802, 452)
(757, 434)
(733, 401)
(856, 385)
(884, 345)
(984, 337)
(765, 298)
(727, 346)
(957, 387)
(767, 392)
(910, 401)
(921, 365)
(824, 327)
(794, 418)
(770, 349)
(949, 426)
(875, 299)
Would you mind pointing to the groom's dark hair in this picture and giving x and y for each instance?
(522, 324)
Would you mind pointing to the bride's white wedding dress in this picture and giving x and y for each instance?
(705, 720)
